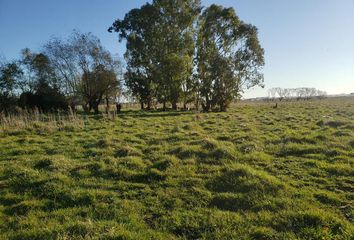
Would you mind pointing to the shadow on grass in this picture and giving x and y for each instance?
(153, 113)
(139, 114)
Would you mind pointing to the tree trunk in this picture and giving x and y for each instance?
(223, 107)
(174, 106)
(118, 107)
(107, 105)
(207, 104)
(73, 107)
(142, 105)
(164, 105)
(95, 108)
(196, 103)
(86, 108)
(90, 105)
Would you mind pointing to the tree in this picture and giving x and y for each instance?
(189, 88)
(29, 80)
(176, 23)
(9, 75)
(272, 93)
(229, 57)
(321, 94)
(65, 63)
(160, 49)
(82, 64)
(40, 85)
(98, 69)
(165, 37)
(139, 29)
(46, 98)
(296, 93)
(97, 84)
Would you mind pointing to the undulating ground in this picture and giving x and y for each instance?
(254, 172)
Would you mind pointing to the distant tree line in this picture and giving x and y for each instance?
(295, 93)
(178, 52)
(66, 73)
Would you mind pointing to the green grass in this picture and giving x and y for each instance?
(253, 172)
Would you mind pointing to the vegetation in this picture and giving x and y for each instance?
(259, 171)
(229, 55)
(176, 53)
(295, 93)
(254, 172)
(9, 72)
(77, 71)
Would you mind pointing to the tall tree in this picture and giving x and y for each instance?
(64, 61)
(9, 75)
(176, 23)
(40, 85)
(79, 61)
(139, 29)
(160, 48)
(229, 57)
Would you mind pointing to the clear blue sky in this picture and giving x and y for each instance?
(308, 43)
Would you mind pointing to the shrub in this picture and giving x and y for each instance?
(45, 98)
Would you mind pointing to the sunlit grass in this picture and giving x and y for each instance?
(254, 172)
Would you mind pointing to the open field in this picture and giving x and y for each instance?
(254, 172)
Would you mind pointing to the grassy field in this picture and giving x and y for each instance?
(254, 172)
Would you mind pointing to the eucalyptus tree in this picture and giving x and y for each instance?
(139, 28)
(160, 49)
(229, 57)
(176, 22)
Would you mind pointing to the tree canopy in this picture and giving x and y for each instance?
(177, 52)
(229, 57)
(74, 71)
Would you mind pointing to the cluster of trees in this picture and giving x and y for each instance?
(71, 72)
(179, 52)
(295, 93)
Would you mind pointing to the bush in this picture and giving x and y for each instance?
(46, 99)
(7, 103)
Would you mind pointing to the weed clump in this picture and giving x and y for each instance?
(335, 124)
(125, 151)
(241, 188)
(237, 178)
(327, 198)
(313, 224)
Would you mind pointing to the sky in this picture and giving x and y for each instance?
(308, 43)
